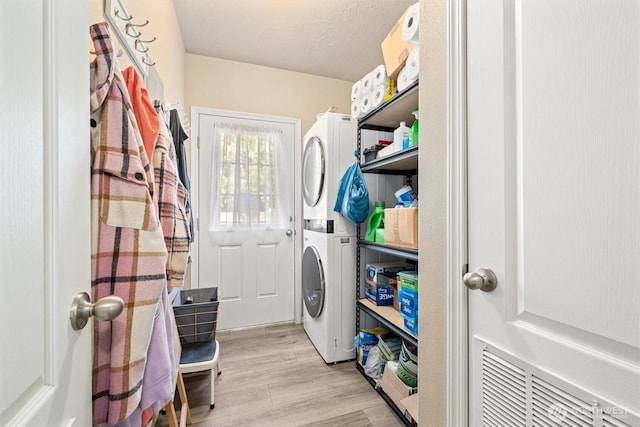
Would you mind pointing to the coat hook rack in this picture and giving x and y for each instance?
(117, 14)
(129, 35)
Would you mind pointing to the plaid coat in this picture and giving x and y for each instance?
(172, 207)
(128, 251)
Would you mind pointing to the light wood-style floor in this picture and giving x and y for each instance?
(273, 376)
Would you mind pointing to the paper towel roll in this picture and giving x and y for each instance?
(355, 109)
(365, 103)
(377, 95)
(367, 84)
(403, 80)
(410, 25)
(379, 76)
(412, 65)
(356, 90)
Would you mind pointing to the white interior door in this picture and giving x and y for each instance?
(254, 273)
(45, 366)
(554, 208)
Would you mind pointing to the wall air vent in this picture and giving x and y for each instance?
(516, 393)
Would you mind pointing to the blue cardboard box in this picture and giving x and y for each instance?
(408, 302)
(379, 295)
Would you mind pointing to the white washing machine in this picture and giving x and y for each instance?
(328, 151)
(329, 292)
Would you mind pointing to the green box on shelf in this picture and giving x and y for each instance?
(408, 279)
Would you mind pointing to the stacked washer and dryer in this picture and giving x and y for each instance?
(329, 257)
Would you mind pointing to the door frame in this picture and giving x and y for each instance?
(196, 112)
(457, 230)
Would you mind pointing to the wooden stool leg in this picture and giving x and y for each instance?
(171, 414)
(185, 412)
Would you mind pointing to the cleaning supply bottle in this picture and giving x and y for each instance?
(374, 221)
(414, 129)
(401, 137)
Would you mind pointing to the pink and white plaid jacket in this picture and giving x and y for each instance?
(128, 251)
(172, 207)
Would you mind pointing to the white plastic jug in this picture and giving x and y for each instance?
(401, 137)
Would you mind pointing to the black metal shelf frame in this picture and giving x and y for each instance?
(387, 117)
(386, 398)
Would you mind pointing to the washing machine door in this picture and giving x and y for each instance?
(313, 281)
(313, 171)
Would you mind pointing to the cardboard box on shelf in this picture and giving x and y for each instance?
(408, 279)
(408, 302)
(411, 408)
(401, 227)
(395, 388)
(395, 51)
(379, 294)
(386, 270)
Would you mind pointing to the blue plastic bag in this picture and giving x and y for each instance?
(353, 197)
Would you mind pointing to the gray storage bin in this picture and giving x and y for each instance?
(196, 313)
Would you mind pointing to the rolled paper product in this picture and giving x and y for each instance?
(403, 80)
(377, 95)
(411, 70)
(413, 64)
(411, 24)
(379, 76)
(355, 109)
(365, 104)
(367, 82)
(356, 90)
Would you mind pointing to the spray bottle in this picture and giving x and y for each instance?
(414, 129)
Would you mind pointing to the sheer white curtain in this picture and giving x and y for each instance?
(247, 199)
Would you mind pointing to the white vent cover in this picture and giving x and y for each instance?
(516, 393)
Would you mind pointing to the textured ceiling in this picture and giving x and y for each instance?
(332, 38)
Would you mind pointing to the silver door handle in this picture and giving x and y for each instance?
(289, 233)
(105, 309)
(483, 279)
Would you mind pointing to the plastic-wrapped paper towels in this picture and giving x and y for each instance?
(411, 70)
(410, 25)
(369, 92)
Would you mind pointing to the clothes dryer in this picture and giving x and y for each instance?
(329, 147)
(328, 289)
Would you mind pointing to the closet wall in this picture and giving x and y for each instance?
(237, 86)
(168, 49)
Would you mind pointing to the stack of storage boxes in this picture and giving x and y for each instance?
(381, 282)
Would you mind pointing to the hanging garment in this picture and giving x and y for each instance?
(172, 207)
(128, 253)
(179, 137)
(146, 116)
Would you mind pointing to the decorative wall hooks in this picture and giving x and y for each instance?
(128, 32)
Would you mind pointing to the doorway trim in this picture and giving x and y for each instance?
(196, 113)
(457, 227)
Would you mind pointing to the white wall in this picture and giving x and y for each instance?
(237, 86)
